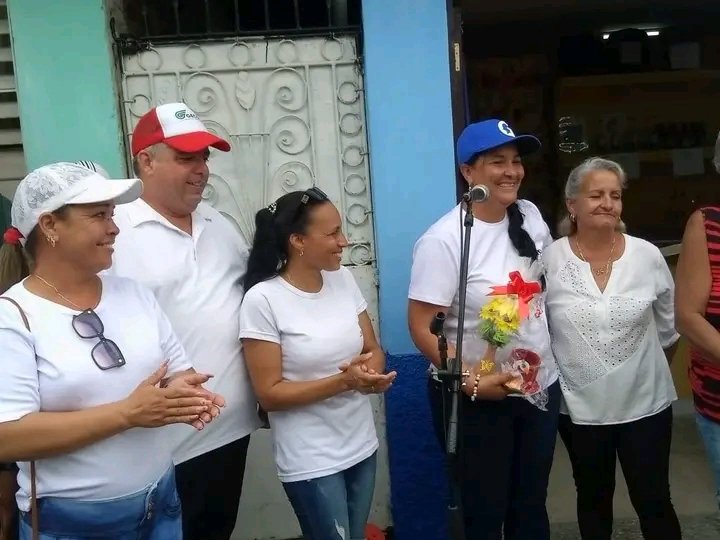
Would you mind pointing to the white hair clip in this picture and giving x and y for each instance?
(272, 207)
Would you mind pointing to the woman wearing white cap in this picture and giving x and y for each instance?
(88, 362)
(507, 442)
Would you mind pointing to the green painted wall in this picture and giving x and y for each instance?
(65, 76)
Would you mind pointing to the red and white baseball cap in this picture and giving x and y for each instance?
(177, 126)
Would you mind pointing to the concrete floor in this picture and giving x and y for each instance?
(691, 483)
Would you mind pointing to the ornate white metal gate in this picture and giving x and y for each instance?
(294, 114)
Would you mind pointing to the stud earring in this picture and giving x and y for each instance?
(51, 240)
(572, 218)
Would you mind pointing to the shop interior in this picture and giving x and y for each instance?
(635, 81)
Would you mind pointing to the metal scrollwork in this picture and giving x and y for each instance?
(360, 254)
(194, 56)
(209, 194)
(350, 124)
(290, 89)
(332, 49)
(240, 54)
(353, 156)
(355, 185)
(286, 52)
(202, 92)
(357, 214)
(139, 105)
(293, 176)
(149, 60)
(348, 93)
(244, 90)
(290, 134)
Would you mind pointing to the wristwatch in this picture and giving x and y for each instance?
(8, 466)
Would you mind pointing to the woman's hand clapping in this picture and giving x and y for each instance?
(151, 406)
(361, 377)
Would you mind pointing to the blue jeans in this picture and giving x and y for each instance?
(151, 514)
(335, 507)
(710, 432)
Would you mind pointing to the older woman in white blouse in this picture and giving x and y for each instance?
(610, 307)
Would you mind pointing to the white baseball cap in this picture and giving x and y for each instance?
(51, 187)
(177, 126)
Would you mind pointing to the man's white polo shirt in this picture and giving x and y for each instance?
(197, 280)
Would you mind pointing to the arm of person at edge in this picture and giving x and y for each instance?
(664, 308)
(420, 315)
(40, 434)
(8, 507)
(264, 362)
(692, 290)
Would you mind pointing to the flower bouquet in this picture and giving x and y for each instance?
(499, 322)
(509, 350)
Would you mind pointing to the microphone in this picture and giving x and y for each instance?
(478, 193)
(436, 326)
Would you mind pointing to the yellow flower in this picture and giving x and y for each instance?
(503, 312)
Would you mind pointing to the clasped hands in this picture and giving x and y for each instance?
(359, 376)
(181, 399)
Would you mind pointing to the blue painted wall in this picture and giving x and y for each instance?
(65, 78)
(407, 80)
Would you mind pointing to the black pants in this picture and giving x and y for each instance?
(507, 454)
(643, 448)
(209, 487)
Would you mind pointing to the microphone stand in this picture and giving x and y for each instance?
(450, 375)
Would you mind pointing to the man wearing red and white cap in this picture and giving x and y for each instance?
(194, 260)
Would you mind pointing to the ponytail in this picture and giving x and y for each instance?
(265, 258)
(518, 235)
(14, 265)
(520, 238)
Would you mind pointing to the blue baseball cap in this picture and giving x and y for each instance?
(490, 134)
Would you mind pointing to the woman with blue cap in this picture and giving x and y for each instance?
(511, 397)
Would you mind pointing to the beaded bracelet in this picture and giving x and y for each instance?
(475, 388)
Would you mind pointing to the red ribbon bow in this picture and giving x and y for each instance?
(12, 236)
(522, 289)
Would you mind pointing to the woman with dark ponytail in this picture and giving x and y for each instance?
(313, 359)
(509, 413)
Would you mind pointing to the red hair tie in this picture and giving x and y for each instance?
(12, 236)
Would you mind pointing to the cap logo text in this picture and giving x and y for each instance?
(183, 114)
(505, 129)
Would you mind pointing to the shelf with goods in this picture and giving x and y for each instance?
(661, 126)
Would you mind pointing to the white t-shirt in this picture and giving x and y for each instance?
(317, 332)
(51, 369)
(436, 273)
(609, 345)
(198, 282)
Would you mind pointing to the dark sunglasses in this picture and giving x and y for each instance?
(312, 194)
(106, 354)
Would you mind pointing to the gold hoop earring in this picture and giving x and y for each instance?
(302, 252)
(572, 218)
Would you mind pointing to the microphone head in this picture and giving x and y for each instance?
(478, 193)
(436, 326)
